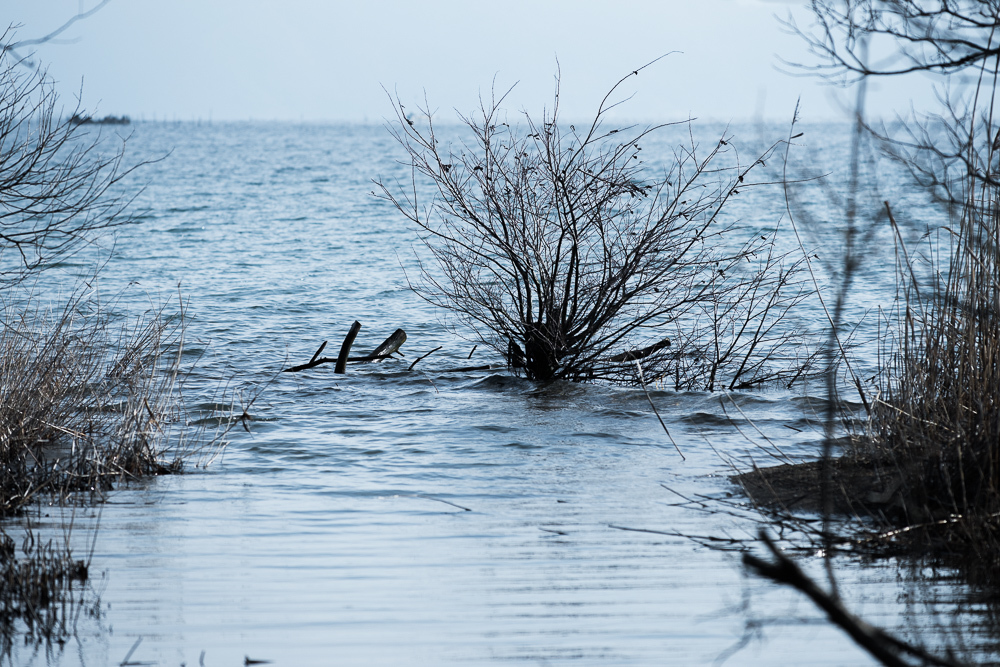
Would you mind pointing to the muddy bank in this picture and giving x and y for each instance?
(862, 486)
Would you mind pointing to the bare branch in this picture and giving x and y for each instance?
(14, 47)
(57, 179)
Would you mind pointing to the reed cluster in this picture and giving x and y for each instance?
(925, 470)
(89, 399)
(935, 426)
(85, 401)
(42, 590)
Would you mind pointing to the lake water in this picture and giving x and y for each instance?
(335, 531)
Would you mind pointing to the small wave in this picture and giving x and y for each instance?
(492, 428)
(188, 209)
(617, 437)
(621, 414)
(709, 419)
(523, 445)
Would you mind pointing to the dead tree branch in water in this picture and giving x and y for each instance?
(385, 350)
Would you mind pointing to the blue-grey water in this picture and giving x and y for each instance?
(334, 532)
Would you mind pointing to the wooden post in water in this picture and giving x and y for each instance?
(345, 349)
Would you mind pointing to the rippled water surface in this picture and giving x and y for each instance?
(390, 517)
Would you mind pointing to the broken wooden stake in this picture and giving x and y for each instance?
(471, 351)
(345, 349)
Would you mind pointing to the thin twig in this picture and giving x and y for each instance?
(446, 502)
(318, 352)
(642, 381)
(423, 356)
(128, 655)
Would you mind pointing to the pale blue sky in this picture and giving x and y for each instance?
(320, 60)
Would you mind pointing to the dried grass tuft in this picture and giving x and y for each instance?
(88, 399)
(936, 425)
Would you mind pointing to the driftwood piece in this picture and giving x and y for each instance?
(368, 358)
(345, 349)
(635, 355)
(389, 345)
(331, 360)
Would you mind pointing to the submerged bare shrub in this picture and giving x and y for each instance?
(560, 250)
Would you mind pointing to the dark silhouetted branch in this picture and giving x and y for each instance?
(316, 356)
(881, 645)
(60, 185)
(424, 356)
(388, 347)
(635, 355)
(13, 47)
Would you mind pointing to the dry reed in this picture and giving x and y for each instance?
(88, 399)
(935, 428)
